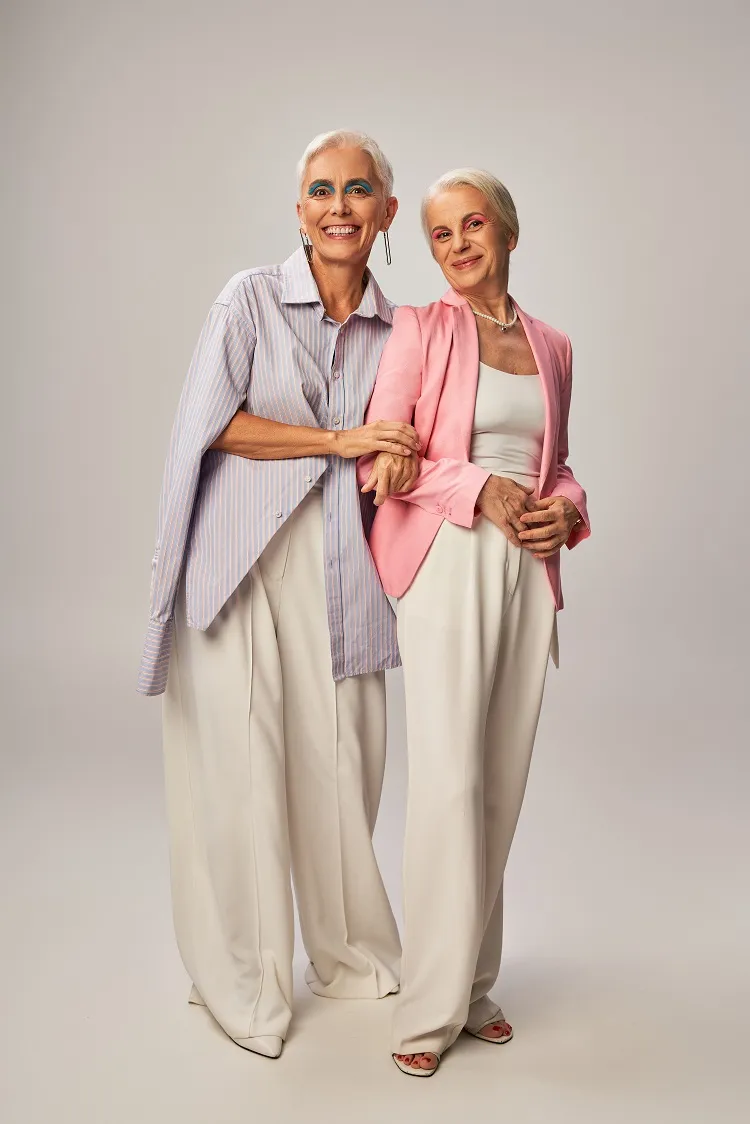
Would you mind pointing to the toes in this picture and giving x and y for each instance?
(428, 1061)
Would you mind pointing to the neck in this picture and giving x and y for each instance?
(340, 286)
(492, 299)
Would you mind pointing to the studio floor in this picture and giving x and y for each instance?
(626, 951)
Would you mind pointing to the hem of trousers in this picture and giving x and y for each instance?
(362, 987)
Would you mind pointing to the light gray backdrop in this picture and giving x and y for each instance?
(149, 155)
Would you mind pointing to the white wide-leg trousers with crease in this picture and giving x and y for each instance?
(474, 632)
(270, 763)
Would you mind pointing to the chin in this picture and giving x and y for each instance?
(342, 253)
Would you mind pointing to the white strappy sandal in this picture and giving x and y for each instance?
(418, 1072)
(497, 1020)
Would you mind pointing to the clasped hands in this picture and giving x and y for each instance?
(541, 526)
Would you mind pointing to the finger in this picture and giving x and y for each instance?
(539, 534)
(543, 515)
(383, 488)
(513, 517)
(409, 431)
(507, 528)
(371, 479)
(392, 447)
(409, 480)
(543, 549)
(406, 434)
(548, 501)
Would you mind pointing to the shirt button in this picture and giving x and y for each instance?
(337, 421)
(308, 479)
(440, 510)
(337, 374)
(279, 514)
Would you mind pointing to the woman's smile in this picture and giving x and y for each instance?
(466, 263)
(342, 232)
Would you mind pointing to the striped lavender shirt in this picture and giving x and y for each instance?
(268, 347)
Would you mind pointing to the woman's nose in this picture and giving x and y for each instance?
(459, 241)
(340, 205)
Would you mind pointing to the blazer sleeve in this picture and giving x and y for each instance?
(216, 385)
(567, 485)
(445, 487)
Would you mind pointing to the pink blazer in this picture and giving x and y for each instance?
(428, 376)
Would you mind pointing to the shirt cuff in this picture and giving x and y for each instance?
(152, 677)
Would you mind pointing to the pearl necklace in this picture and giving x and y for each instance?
(503, 327)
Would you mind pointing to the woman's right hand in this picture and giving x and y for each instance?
(504, 502)
(377, 437)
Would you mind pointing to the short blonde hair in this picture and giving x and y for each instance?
(495, 192)
(346, 138)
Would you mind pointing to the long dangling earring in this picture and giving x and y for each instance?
(387, 247)
(307, 246)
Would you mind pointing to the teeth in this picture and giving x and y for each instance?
(341, 230)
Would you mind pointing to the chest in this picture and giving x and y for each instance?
(310, 365)
(505, 351)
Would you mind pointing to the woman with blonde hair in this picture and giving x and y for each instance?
(468, 539)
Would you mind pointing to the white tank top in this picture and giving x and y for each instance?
(508, 429)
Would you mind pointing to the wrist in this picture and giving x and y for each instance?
(332, 441)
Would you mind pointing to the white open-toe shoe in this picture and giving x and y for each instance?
(497, 1020)
(267, 1045)
(418, 1072)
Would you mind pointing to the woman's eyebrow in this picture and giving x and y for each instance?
(470, 215)
(319, 183)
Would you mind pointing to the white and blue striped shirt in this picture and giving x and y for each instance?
(268, 347)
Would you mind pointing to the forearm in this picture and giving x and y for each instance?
(263, 439)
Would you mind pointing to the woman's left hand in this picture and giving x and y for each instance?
(549, 525)
(391, 473)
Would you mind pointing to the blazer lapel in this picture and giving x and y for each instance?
(545, 366)
(465, 371)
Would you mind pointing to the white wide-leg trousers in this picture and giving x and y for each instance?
(474, 632)
(270, 763)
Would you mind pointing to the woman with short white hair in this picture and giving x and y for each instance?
(269, 627)
(472, 552)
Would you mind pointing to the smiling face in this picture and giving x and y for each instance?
(342, 206)
(471, 246)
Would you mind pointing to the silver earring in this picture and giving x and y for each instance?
(387, 247)
(306, 245)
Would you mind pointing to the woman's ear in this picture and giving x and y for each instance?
(390, 212)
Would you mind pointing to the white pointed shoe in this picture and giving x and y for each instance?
(267, 1045)
(418, 1072)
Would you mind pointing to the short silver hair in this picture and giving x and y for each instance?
(495, 192)
(346, 138)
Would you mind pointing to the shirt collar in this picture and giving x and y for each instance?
(298, 287)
